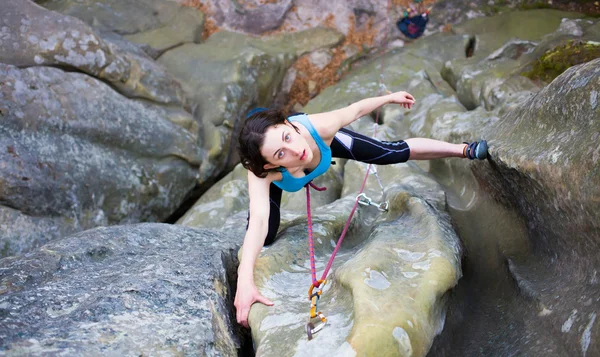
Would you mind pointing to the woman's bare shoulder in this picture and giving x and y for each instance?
(325, 124)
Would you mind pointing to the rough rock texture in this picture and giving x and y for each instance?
(526, 220)
(223, 200)
(520, 283)
(231, 73)
(546, 168)
(75, 154)
(158, 23)
(33, 36)
(388, 282)
(147, 289)
(141, 15)
(259, 17)
(253, 18)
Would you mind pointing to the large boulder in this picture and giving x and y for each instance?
(76, 154)
(147, 289)
(253, 18)
(546, 160)
(33, 36)
(502, 47)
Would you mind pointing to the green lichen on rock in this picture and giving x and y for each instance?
(557, 60)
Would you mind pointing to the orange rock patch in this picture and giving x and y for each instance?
(310, 80)
(210, 26)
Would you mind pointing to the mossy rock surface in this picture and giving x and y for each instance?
(557, 60)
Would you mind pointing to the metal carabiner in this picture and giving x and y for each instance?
(363, 199)
(311, 329)
(314, 307)
(366, 201)
(383, 206)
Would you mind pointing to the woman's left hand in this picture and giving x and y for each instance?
(403, 98)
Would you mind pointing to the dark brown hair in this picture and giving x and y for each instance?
(252, 138)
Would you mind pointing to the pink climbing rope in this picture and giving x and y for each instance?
(313, 269)
(311, 246)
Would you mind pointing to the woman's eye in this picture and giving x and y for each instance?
(287, 137)
(280, 154)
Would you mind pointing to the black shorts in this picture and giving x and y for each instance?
(346, 144)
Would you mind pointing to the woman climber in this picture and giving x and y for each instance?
(286, 153)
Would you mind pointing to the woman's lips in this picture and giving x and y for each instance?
(303, 155)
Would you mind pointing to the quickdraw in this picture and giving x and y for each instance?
(366, 201)
(314, 310)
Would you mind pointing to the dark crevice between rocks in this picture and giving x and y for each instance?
(505, 282)
(470, 48)
(487, 296)
(232, 159)
(474, 306)
(156, 54)
(243, 335)
(191, 198)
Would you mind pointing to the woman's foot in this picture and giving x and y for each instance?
(476, 150)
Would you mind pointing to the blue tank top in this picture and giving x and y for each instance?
(292, 184)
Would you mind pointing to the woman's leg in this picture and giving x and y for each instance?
(427, 149)
(348, 144)
(351, 145)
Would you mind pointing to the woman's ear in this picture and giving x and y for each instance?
(269, 166)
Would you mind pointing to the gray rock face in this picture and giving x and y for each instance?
(546, 161)
(80, 155)
(148, 289)
(253, 18)
(157, 23)
(122, 17)
(372, 17)
(33, 36)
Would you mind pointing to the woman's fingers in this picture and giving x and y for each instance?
(243, 312)
(264, 300)
(242, 317)
(404, 98)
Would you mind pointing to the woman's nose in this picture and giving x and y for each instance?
(295, 150)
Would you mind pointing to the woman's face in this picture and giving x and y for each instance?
(284, 147)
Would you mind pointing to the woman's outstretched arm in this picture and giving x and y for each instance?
(329, 123)
(247, 294)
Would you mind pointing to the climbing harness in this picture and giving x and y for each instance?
(316, 288)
